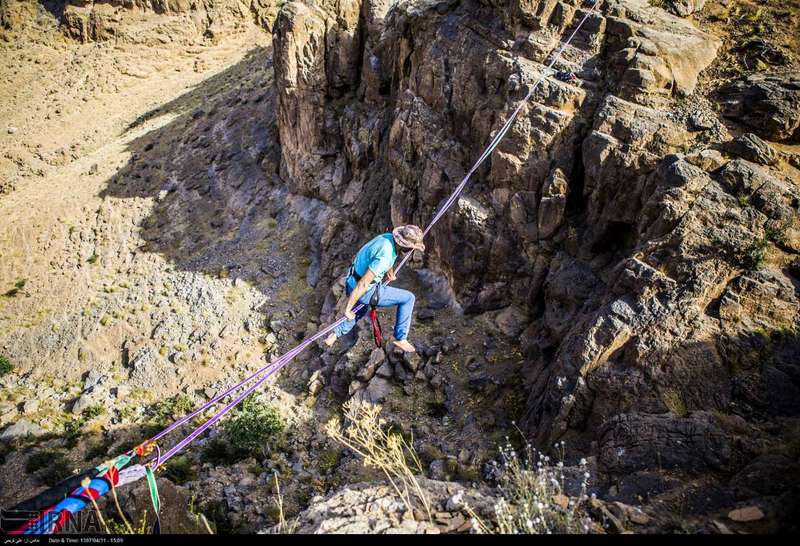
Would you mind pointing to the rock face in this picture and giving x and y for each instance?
(375, 509)
(640, 254)
(141, 21)
(622, 238)
(769, 104)
(20, 430)
(685, 8)
(89, 21)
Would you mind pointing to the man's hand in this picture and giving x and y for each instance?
(349, 314)
(390, 276)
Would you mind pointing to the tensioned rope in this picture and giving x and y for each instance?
(276, 365)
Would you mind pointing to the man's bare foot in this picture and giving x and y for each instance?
(405, 346)
(330, 340)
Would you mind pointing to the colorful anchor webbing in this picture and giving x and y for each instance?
(56, 517)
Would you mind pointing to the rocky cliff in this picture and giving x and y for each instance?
(641, 245)
(622, 274)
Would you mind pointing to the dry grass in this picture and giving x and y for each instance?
(367, 435)
(283, 527)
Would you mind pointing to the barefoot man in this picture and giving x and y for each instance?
(373, 261)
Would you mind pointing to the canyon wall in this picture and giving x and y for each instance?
(624, 233)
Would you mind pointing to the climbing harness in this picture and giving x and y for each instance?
(377, 331)
(111, 474)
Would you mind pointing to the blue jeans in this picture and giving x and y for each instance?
(403, 299)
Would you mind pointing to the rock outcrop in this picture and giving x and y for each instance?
(769, 104)
(625, 261)
(364, 508)
(614, 226)
(142, 21)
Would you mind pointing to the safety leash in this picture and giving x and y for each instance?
(377, 331)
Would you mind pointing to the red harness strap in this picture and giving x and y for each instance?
(376, 327)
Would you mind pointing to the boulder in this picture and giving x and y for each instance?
(385, 370)
(315, 383)
(149, 370)
(175, 516)
(553, 203)
(684, 8)
(748, 146)
(657, 54)
(631, 442)
(746, 514)
(768, 104)
(511, 321)
(376, 358)
(378, 390)
(93, 378)
(369, 508)
(21, 430)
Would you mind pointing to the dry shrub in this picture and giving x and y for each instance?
(367, 435)
(532, 495)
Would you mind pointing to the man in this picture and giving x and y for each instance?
(373, 261)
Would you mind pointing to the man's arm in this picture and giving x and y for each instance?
(360, 289)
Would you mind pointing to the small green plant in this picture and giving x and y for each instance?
(218, 452)
(93, 411)
(246, 434)
(123, 528)
(93, 258)
(179, 470)
(18, 287)
(105, 320)
(775, 234)
(253, 426)
(753, 258)
(50, 466)
(6, 367)
(743, 198)
(166, 411)
(329, 459)
(72, 431)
